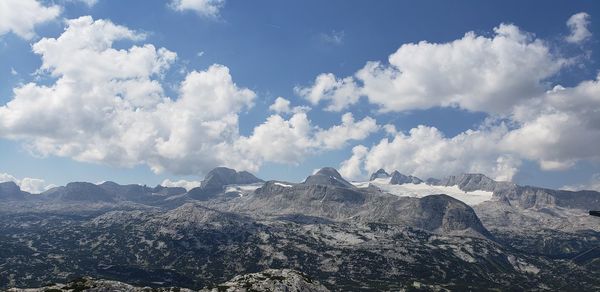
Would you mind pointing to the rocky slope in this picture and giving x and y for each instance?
(268, 280)
(344, 236)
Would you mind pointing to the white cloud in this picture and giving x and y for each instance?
(557, 129)
(290, 141)
(27, 184)
(186, 184)
(207, 8)
(504, 75)
(13, 71)
(89, 3)
(353, 167)
(114, 111)
(341, 93)
(5, 177)
(578, 25)
(426, 152)
(21, 16)
(337, 136)
(282, 106)
(475, 73)
(560, 128)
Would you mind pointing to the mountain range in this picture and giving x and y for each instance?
(393, 232)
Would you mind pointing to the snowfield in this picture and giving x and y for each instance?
(423, 189)
(242, 190)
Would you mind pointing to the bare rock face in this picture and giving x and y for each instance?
(221, 176)
(443, 214)
(10, 191)
(79, 192)
(215, 181)
(328, 176)
(271, 280)
(399, 179)
(381, 173)
(474, 182)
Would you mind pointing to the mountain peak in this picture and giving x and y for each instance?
(329, 171)
(381, 173)
(473, 182)
(221, 176)
(80, 191)
(399, 179)
(328, 176)
(10, 191)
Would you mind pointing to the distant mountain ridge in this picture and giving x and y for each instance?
(508, 192)
(396, 232)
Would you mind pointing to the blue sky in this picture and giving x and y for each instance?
(277, 48)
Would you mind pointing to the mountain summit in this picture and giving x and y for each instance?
(222, 176)
(215, 181)
(399, 179)
(328, 176)
(381, 173)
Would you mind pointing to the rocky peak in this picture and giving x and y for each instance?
(381, 173)
(222, 176)
(474, 182)
(399, 179)
(80, 191)
(328, 176)
(10, 191)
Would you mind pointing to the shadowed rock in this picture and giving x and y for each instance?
(381, 173)
(399, 179)
(328, 176)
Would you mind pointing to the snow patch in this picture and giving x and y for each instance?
(421, 190)
(242, 189)
(282, 185)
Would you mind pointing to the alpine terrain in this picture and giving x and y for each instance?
(236, 232)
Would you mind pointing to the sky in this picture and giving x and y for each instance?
(161, 92)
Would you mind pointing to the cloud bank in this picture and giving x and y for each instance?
(503, 76)
(114, 110)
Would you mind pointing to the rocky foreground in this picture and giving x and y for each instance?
(268, 280)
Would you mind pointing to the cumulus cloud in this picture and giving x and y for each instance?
(578, 25)
(282, 106)
(27, 184)
(21, 16)
(114, 111)
(336, 136)
(475, 73)
(504, 75)
(340, 93)
(353, 167)
(557, 129)
(290, 141)
(186, 184)
(425, 152)
(207, 8)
